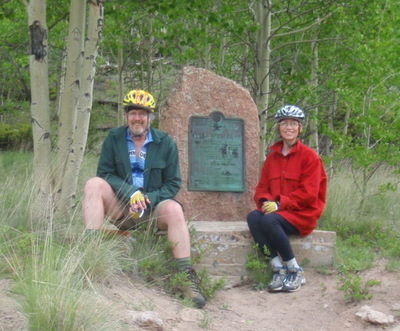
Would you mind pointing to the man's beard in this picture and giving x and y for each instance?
(139, 131)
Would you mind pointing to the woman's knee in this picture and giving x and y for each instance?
(270, 223)
(253, 219)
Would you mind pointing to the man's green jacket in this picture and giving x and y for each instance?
(162, 178)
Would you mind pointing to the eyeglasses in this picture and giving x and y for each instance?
(293, 124)
(137, 114)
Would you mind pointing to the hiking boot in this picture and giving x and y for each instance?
(192, 291)
(278, 276)
(294, 279)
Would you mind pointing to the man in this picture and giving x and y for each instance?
(290, 197)
(138, 173)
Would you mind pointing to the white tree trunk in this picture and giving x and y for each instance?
(87, 74)
(62, 82)
(262, 66)
(313, 118)
(120, 63)
(40, 112)
(72, 87)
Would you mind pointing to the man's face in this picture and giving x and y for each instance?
(138, 121)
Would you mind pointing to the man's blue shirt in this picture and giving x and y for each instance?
(137, 162)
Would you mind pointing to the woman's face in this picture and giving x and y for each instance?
(289, 130)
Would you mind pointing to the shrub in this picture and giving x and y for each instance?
(259, 271)
(16, 136)
(355, 289)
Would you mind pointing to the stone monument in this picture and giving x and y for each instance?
(215, 124)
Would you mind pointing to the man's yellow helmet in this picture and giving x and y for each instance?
(139, 99)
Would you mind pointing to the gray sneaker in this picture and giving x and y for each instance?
(294, 279)
(278, 276)
(192, 291)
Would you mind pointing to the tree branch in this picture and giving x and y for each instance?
(57, 21)
(318, 21)
(305, 41)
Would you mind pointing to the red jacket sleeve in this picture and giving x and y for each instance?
(262, 192)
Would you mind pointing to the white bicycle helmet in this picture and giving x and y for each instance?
(290, 111)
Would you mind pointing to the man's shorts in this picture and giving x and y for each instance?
(149, 217)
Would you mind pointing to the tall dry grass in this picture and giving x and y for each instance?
(56, 266)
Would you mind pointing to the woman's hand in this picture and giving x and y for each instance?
(269, 207)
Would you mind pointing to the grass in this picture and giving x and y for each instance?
(373, 232)
(259, 269)
(153, 261)
(205, 322)
(54, 281)
(341, 213)
(56, 267)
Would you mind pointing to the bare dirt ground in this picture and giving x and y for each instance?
(319, 305)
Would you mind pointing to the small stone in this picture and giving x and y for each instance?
(147, 319)
(396, 306)
(367, 314)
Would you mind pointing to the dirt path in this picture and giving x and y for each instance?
(319, 305)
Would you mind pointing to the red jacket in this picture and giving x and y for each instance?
(297, 181)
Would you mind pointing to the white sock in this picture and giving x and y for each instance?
(276, 262)
(292, 264)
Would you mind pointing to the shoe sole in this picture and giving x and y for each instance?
(303, 282)
(277, 289)
(291, 290)
(199, 303)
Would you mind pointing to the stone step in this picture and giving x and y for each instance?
(223, 248)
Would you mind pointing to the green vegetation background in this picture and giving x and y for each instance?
(55, 267)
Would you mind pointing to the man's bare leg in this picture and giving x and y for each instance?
(99, 201)
(170, 217)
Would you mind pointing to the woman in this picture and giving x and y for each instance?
(290, 197)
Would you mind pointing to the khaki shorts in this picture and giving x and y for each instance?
(149, 217)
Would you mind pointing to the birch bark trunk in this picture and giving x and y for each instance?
(262, 67)
(313, 118)
(72, 87)
(80, 133)
(40, 112)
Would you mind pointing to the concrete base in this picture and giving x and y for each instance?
(224, 247)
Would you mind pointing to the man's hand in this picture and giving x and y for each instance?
(138, 204)
(269, 207)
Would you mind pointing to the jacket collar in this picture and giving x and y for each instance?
(157, 135)
(277, 147)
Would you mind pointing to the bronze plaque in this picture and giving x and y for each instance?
(216, 153)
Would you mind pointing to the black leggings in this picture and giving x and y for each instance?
(272, 230)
